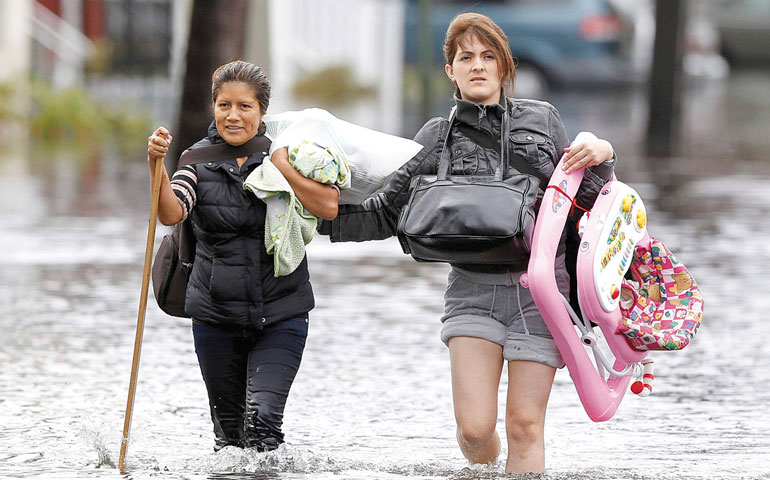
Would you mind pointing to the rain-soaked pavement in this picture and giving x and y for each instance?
(372, 399)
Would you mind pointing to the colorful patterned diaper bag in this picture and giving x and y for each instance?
(661, 308)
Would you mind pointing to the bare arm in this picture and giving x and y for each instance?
(320, 200)
(169, 210)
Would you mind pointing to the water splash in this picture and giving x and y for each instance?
(95, 439)
(285, 459)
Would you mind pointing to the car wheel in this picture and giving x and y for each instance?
(531, 81)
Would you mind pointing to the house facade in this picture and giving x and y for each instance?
(133, 50)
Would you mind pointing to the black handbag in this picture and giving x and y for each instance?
(176, 254)
(471, 219)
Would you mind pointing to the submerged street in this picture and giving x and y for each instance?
(372, 398)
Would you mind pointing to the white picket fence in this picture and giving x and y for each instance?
(365, 35)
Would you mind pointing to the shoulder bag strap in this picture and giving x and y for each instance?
(443, 163)
(516, 161)
(223, 151)
(505, 136)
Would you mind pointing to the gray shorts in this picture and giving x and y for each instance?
(503, 314)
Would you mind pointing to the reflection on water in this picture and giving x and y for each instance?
(372, 398)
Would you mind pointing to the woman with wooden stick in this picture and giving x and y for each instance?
(249, 326)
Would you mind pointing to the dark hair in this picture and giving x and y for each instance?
(466, 25)
(248, 73)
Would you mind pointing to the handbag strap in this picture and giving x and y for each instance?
(503, 148)
(500, 169)
(516, 161)
(443, 162)
(505, 142)
(223, 151)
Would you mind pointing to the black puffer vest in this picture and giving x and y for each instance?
(232, 281)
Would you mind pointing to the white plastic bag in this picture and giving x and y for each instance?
(371, 155)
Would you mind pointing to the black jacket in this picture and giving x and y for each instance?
(232, 281)
(537, 134)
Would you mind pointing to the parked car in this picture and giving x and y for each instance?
(556, 42)
(744, 31)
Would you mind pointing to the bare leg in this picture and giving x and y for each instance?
(529, 385)
(476, 368)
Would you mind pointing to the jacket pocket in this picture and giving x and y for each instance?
(534, 147)
(224, 282)
(464, 157)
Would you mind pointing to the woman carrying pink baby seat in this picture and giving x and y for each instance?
(658, 308)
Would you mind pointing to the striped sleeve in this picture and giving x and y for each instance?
(184, 183)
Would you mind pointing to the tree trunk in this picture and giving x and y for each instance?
(217, 32)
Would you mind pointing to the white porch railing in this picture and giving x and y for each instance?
(70, 46)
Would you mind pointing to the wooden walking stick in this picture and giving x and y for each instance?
(142, 309)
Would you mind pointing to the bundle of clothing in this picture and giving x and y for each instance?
(331, 151)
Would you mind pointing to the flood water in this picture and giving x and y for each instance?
(372, 399)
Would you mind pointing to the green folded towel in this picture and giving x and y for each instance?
(288, 225)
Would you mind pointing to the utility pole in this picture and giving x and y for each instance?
(665, 84)
(425, 39)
